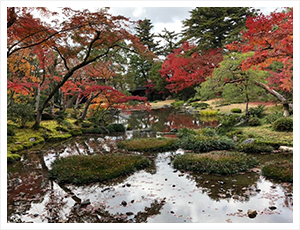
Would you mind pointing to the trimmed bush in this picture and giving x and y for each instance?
(254, 121)
(177, 104)
(283, 124)
(208, 113)
(255, 148)
(116, 128)
(84, 169)
(273, 117)
(215, 162)
(149, 144)
(280, 170)
(257, 111)
(236, 110)
(201, 105)
(203, 143)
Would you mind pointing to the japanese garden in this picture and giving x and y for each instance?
(109, 122)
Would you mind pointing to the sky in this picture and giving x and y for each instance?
(164, 17)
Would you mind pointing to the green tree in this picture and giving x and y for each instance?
(170, 42)
(139, 65)
(213, 27)
(232, 83)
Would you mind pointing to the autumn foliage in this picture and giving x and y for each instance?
(182, 70)
(271, 39)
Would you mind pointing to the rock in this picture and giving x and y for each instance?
(32, 139)
(128, 185)
(286, 149)
(252, 213)
(124, 203)
(235, 139)
(174, 130)
(132, 201)
(240, 210)
(22, 194)
(272, 207)
(236, 197)
(249, 141)
(86, 202)
(105, 189)
(220, 182)
(181, 174)
(129, 213)
(173, 185)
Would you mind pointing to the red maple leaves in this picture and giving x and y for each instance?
(182, 70)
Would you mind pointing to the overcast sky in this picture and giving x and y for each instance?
(163, 17)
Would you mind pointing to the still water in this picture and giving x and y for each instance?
(158, 194)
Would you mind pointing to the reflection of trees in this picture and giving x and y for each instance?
(100, 215)
(164, 120)
(240, 186)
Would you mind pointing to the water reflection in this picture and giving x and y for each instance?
(164, 120)
(158, 194)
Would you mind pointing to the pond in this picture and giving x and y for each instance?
(158, 194)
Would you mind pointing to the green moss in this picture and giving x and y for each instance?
(12, 157)
(215, 162)
(149, 144)
(83, 169)
(280, 170)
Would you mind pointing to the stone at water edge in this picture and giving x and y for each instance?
(252, 213)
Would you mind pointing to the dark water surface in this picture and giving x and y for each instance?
(158, 194)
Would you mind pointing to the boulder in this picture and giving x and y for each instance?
(286, 149)
(252, 213)
(249, 141)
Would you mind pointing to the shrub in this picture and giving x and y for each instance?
(283, 124)
(202, 105)
(10, 131)
(84, 169)
(236, 110)
(273, 117)
(116, 128)
(86, 124)
(185, 132)
(280, 170)
(215, 162)
(257, 111)
(20, 113)
(205, 144)
(208, 113)
(255, 148)
(177, 104)
(149, 144)
(94, 131)
(254, 121)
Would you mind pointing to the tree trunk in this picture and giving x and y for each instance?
(37, 99)
(87, 104)
(281, 98)
(69, 103)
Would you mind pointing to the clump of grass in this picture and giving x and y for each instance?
(149, 144)
(84, 169)
(280, 170)
(203, 140)
(255, 148)
(215, 162)
(208, 113)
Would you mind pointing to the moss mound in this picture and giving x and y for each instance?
(280, 170)
(149, 144)
(85, 169)
(215, 162)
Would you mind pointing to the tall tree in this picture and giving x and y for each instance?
(214, 27)
(170, 42)
(81, 39)
(271, 39)
(139, 65)
(182, 71)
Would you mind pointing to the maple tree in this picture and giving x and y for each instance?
(83, 37)
(182, 70)
(271, 39)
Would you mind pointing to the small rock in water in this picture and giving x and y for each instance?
(252, 213)
(273, 186)
(129, 213)
(272, 207)
(124, 203)
(128, 185)
(173, 185)
(86, 202)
